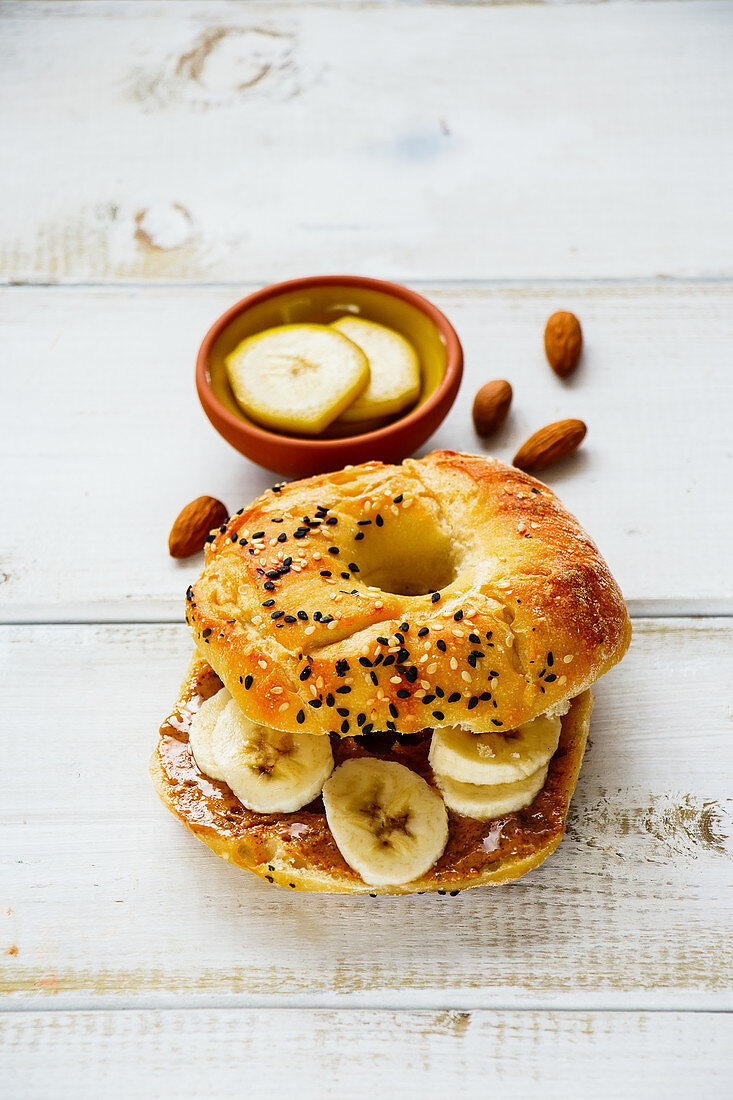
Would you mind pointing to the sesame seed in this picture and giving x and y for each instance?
(277, 691)
(247, 683)
(262, 664)
(435, 597)
(439, 715)
(379, 521)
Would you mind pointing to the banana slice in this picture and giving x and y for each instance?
(388, 823)
(394, 365)
(269, 771)
(484, 802)
(202, 731)
(297, 377)
(494, 757)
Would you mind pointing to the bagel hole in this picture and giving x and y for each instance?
(412, 557)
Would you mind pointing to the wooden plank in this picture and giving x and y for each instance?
(213, 141)
(108, 901)
(112, 441)
(271, 1053)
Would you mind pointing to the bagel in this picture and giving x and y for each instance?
(297, 851)
(373, 606)
(450, 590)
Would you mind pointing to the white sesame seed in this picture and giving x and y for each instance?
(277, 691)
(283, 706)
(466, 676)
(317, 557)
(562, 680)
(333, 624)
(379, 605)
(453, 663)
(567, 658)
(309, 630)
(494, 683)
(431, 668)
(313, 690)
(262, 664)
(395, 679)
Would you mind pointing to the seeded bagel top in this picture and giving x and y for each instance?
(450, 590)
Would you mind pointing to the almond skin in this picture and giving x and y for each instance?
(491, 405)
(563, 342)
(192, 525)
(550, 444)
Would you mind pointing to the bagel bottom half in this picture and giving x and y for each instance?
(297, 850)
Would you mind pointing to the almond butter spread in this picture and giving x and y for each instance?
(473, 846)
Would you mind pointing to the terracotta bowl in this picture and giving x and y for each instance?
(321, 299)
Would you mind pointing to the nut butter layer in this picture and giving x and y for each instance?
(297, 850)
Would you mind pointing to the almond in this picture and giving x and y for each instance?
(491, 405)
(550, 444)
(563, 342)
(192, 525)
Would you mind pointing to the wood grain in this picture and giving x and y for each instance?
(359, 1054)
(113, 442)
(108, 901)
(214, 141)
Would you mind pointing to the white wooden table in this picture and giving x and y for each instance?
(159, 159)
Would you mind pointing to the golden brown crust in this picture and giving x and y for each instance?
(527, 613)
(298, 851)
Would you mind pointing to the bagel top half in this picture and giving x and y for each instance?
(450, 590)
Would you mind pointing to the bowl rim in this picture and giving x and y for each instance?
(449, 336)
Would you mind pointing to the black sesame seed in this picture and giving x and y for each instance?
(326, 573)
(485, 696)
(382, 641)
(367, 729)
(400, 637)
(343, 711)
(411, 674)
(342, 666)
(379, 521)
(241, 679)
(273, 574)
(300, 717)
(316, 703)
(332, 521)
(287, 561)
(330, 701)
(333, 549)
(497, 722)
(344, 689)
(441, 645)
(291, 885)
(374, 679)
(493, 672)
(345, 576)
(360, 719)
(378, 659)
(290, 619)
(440, 693)
(353, 567)
(372, 895)
(439, 715)
(269, 586)
(442, 891)
(258, 535)
(247, 683)
(365, 662)
(399, 499)
(344, 726)
(207, 631)
(268, 603)
(223, 528)
(473, 702)
(475, 639)
(210, 538)
(454, 697)
(405, 627)
(391, 726)
(305, 673)
(537, 491)
(427, 700)
(422, 632)
(277, 615)
(551, 678)
(269, 878)
(317, 616)
(303, 616)
(454, 893)
(358, 536)
(403, 694)
(550, 659)
(189, 593)
(435, 597)
(242, 542)
(458, 615)
(282, 537)
(388, 660)
(234, 536)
